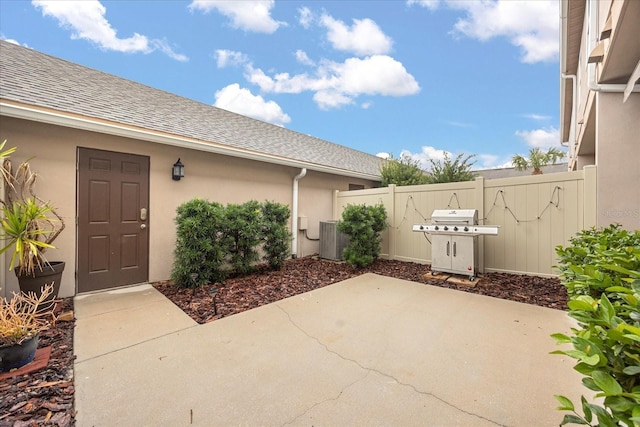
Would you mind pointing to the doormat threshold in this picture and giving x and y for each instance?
(451, 278)
(40, 361)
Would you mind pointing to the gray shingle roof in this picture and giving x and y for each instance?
(37, 79)
(512, 172)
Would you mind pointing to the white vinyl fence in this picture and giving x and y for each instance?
(535, 214)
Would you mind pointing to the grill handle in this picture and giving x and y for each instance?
(448, 243)
(450, 221)
(454, 249)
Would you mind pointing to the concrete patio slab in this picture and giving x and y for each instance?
(112, 320)
(367, 351)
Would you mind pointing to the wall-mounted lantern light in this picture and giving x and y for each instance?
(177, 171)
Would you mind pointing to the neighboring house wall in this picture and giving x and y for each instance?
(215, 177)
(534, 213)
(604, 129)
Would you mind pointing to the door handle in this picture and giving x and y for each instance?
(143, 226)
(454, 248)
(448, 243)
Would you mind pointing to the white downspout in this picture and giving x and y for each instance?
(294, 213)
(592, 78)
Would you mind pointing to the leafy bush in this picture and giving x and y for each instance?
(212, 238)
(243, 227)
(601, 271)
(592, 248)
(362, 224)
(275, 234)
(200, 246)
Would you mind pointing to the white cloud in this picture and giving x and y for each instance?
(303, 58)
(13, 41)
(384, 155)
(247, 15)
(86, 19)
(242, 101)
(306, 17)
(164, 47)
(426, 154)
(227, 58)
(537, 117)
(364, 37)
(532, 25)
(458, 124)
(429, 4)
(337, 84)
(541, 138)
(491, 161)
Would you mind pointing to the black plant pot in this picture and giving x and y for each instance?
(51, 274)
(17, 355)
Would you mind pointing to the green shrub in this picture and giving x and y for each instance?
(580, 263)
(243, 231)
(211, 238)
(275, 235)
(362, 224)
(200, 246)
(601, 271)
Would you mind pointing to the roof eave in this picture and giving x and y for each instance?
(29, 112)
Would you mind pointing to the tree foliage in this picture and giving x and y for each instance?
(537, 159)
(448, 170)
(402, 171)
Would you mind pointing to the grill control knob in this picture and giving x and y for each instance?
(455, 228)
(422, 227)
(436, 228)
(446, 228)
(466, 229)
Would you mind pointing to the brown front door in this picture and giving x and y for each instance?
(113, 233)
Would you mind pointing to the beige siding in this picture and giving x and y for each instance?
(210, 176)
(535, 214)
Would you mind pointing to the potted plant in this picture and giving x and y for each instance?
(29, 226)
(21, 322)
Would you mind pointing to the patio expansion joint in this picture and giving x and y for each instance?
(116, 350)
(369, 369)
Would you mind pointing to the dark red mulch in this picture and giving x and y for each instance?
(45, 397)
(305, 274)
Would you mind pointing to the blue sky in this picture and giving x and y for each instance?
(417, 77)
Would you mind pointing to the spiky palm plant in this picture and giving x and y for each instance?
(537, 159)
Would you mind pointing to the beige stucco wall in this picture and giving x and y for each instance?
(211, 176)
(617, 154)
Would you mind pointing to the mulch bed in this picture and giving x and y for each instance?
(306, 274)
(45, 397)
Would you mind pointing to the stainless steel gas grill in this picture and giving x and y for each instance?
(454, 240)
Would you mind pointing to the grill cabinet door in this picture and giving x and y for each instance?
(462, 256)
(440, 252)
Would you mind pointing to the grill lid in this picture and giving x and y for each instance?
(455, 216)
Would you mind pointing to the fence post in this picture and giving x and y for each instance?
(335, 205)
(590, 199)
(391, 212)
